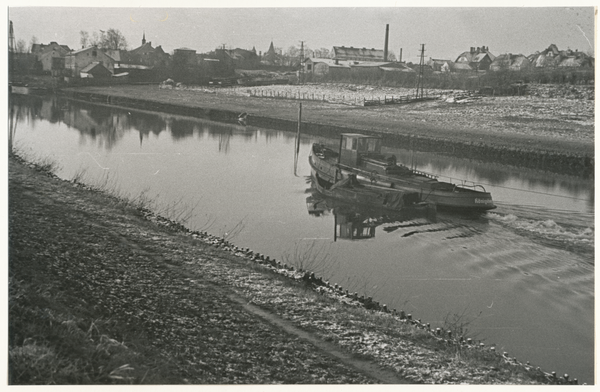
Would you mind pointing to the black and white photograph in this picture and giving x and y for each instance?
(327, 194)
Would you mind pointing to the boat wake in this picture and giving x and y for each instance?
(566, 230)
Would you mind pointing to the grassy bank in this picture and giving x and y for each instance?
(102, 291)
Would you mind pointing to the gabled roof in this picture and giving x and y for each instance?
(145, 47)
(511, 61)
(480, 56)
(35, 48)
(552, 49)
(571, 61)
(462, 66)
(241, 54)
(475, 55)
(117, 54)
(83, 50)
(91, 66)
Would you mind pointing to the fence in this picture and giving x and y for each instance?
(354, 100)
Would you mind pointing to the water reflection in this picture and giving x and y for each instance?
(358, 222)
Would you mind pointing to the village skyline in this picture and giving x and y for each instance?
(525, 30)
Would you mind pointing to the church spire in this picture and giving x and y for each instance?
(144, 38)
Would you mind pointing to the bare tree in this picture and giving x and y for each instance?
(21, 46)
(84, 38)
(32, 42)
(109, 39)
(322, 53)
(292, 51)
(113, 39)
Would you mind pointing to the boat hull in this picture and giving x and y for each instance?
(444, 195)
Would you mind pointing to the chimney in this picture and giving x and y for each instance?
(400, 58)
(385, 47)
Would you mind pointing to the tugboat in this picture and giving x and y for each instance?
(360, 156)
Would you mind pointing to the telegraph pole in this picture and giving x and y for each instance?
(12, 48)
(301, 71)
(421, 69)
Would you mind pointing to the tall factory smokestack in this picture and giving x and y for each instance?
(385, 48)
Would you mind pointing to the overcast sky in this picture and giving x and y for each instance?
(446, 32)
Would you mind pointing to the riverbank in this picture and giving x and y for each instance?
(102, 291)
(539, 132)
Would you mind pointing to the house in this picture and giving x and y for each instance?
(38, 49)
(576, 60)
(552, 57)
(462, 67)
(548, 58)
(148, 55)
(323, 66)
(78, 60)
(95, 70)
(244, 59)
(478, 59)
(441, 65)
(343, 53)
(46, 53)
(144, 62)
(510, 62)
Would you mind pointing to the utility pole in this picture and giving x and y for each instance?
(421, 69)
(12, 48)
(301, 70)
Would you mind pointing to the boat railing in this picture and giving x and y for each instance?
(459, 182)
(428, 175)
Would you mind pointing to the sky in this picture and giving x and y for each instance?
(445, 32)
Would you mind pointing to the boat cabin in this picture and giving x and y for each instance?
(355, 145)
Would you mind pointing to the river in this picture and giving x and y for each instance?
(519, 278)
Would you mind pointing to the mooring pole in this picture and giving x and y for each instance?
(297, 152)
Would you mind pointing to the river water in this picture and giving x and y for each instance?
(520, 277)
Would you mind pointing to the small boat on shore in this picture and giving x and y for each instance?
(359, 156)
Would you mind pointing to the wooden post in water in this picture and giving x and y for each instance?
(297, 152)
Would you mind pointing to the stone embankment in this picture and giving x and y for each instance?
(548, 134)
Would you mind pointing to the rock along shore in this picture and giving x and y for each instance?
(103, 291)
